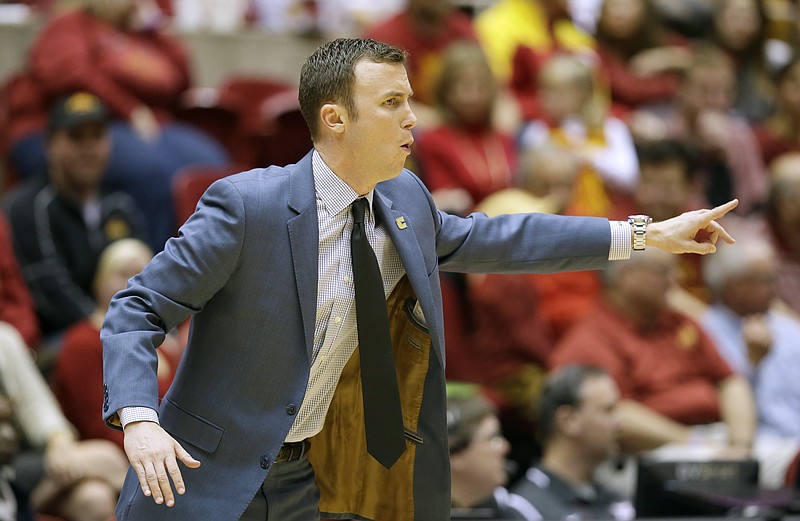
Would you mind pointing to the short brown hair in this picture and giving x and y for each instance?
(328, 75)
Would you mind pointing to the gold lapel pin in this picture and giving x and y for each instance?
(401, 223)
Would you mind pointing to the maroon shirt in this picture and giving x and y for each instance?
(673, 368)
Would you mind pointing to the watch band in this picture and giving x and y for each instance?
(639, 230)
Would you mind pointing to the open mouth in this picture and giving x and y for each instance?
(407, 146)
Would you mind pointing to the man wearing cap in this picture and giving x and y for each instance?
(62, 222)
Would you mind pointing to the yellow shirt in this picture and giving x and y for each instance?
(510, 23)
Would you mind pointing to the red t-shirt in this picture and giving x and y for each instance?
(673, 369)
(480, 161)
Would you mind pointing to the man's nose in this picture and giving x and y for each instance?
(410, 121)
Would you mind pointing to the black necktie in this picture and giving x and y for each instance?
(383, 418)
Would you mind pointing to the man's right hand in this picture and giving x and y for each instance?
(154, 456)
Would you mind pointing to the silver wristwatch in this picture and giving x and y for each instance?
(639, 230)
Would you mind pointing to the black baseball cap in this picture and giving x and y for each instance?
(76, 109)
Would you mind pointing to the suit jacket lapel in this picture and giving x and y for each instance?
(304, 239)
(405, 240)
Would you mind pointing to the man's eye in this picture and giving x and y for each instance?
(390, 102)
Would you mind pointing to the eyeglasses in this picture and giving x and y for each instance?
(495, 441)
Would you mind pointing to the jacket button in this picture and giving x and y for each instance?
(264, 462)
(291, 409)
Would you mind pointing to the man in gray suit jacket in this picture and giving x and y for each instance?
(264, 268)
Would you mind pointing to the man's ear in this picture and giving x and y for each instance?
(568, 421)
(333, 117)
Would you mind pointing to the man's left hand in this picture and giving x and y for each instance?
(691, 232)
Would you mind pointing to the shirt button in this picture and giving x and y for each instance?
(264, 462)
(347, 280)
(291, 409)
(336, 320)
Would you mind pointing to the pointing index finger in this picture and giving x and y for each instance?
(721, 210)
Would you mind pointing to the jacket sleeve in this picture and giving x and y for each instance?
(175, 284)
(522, 243)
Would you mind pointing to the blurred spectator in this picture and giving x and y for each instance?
(578, 431)
(670, 374)
(16, 304)
(118, 52)
(780, 131)
(62, 223)
(739, 27)
(425, 28)
(78, 376)
(575, 117)
(77, 481)
(783, 216)
(539, 27)
(729, 160)
(477, 461)
(667, 169)
(9, 447)
(639, 58)
(467, 157)
(547, 181)
(759, 343)
(517, 317)
(462, 161)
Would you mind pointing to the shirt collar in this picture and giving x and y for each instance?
(335, 194)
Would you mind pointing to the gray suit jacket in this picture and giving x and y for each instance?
(245, 265)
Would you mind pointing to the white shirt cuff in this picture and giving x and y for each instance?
(620, 240)
(137, 414)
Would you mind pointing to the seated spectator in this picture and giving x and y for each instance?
(477, 461)
(575, 118)
(517, 318)
(16, 304)
(76, 481)
(729, 159)
(140, 73)
(783, 217)
(759, 343)
(547, 182)
(425, 28)
(518, 34)
(61, 224)
(739, 28)
(671, 376)
(778, 133)
(667, 169)
(467, 157)
(462, 160)
(578, 432)
(78, 376)
(641, 61)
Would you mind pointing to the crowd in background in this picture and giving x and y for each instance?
(605, 108)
